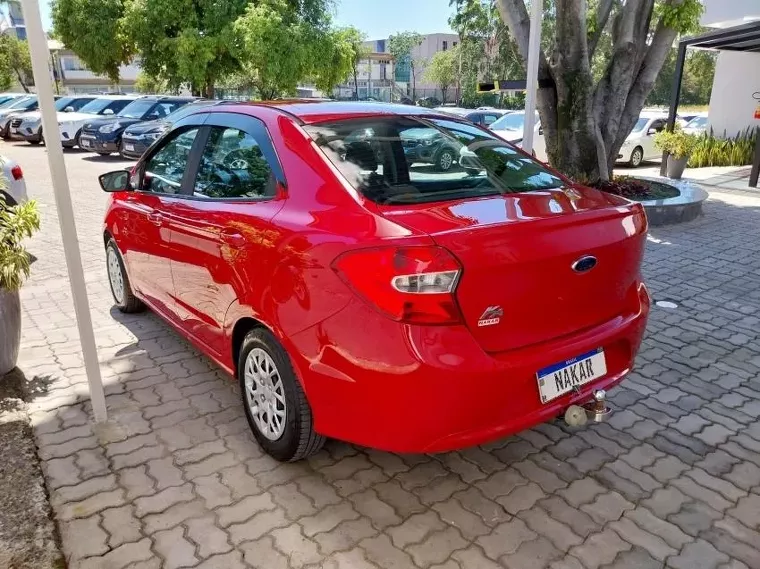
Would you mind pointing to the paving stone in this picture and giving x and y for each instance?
(262, 554)
(724, 539)
(746, 511)
(453, 513)
(353, 559)
(642, 456)
(122, 525)
(635, 535)
(163, 500)
(467, 471)
(600, 549)
(745, 475)
(174, 548)
(379, 513)
(718, 462)
(487, 510)
(547, 480)
(320, 493)
(300, 550)
(501, 483)
(245, 509)
(436, 547)
(83, 489)
(698, 555)
(290, 498)
(165, 473)
(506, 538)
(328, 518)
(654, 525)
(259, 525)
(122, 556)
(91, 505)
(607, 507)
(665, 501)
(688, 486)
(694, 517)
(205, 533)
(582, 492)
(173, 516)
(561, 511)
(561, 535)
(83, 538)
(635, 558)
(521, 498)
(231, 560)
(414, 529)
(441, 488)
(535, 554)
(715, 434)
(474, 558)
(380, 551)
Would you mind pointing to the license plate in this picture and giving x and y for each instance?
(85, 142)
(563, 377)
(130, 147)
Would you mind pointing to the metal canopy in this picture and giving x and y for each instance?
(739, 38)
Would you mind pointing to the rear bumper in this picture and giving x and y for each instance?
(414, 389)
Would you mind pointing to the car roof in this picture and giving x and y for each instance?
(310, 112)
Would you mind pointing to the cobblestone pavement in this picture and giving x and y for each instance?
(176, 480)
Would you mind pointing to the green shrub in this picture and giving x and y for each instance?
(676, 142)
(735, 151)
(16, 224)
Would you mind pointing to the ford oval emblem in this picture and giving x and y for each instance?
(584, 264)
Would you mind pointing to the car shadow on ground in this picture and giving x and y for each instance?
(114, 158)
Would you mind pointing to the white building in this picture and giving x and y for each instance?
(74, 76)
(737, 74)
(379, 75)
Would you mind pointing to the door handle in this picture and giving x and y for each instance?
(155, 218)
(232, 238)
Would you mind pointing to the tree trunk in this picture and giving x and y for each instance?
(208, 90)
(585, 125)
(356, 84)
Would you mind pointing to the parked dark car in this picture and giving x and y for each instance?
(428, 146)
(104, 135)
(485, 117)
(138, 137)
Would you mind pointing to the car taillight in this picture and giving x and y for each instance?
(410, 284)
(16, 172)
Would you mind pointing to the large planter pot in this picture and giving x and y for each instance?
(10, 330)
(676, 166)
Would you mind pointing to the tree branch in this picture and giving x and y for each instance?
(515, 15)
(602, 17)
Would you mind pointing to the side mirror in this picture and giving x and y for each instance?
(108, 112)
(540, 131)
(117, 181)
(651, 131)
(68, 109)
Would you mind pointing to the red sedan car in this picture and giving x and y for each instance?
(359, 295)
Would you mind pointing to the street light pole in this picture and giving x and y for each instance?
(38, 50)
(531, 84)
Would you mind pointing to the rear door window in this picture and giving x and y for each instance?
(394, 159)
(233, 166)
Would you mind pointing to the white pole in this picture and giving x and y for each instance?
(39, 54)
(531, 84)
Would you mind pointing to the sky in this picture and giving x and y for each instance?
(377, 18)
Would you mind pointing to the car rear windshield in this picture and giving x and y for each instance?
(96, 106)
(418, 160)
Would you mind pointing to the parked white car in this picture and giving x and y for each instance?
(70, 124)
(29, 125)
(13, 109)
(15, 190)
(697, 125)
(510, 128)
(639, 145)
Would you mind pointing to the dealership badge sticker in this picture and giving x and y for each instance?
(491, 316)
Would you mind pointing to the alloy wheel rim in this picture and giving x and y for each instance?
(637, 157)
(265, 394)
(115, 276)
(446, 160)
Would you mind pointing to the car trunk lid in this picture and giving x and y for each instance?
(522, 282)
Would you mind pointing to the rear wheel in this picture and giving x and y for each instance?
(445, 160)
(121, 289)
(637, 157)
(275, 405)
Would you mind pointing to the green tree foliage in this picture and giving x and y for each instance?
(147, 84)
(15, 63)
(359, 52)
(280, 43)
(184, 41)
(401, 46)
(94, 30)
(487, 51)
(696, 85)
(442, 70)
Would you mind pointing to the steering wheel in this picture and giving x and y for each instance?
(236, 160)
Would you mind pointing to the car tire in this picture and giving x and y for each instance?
(77, 140)
(637, 157)
(34, 142)
(118, 280)
(444, 160)
(293, 437)
(99, 153)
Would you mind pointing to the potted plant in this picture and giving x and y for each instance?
(16, 223)
(679, 146)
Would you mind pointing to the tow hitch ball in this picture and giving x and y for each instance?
(596, 411)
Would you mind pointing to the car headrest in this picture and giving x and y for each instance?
(361, 154)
